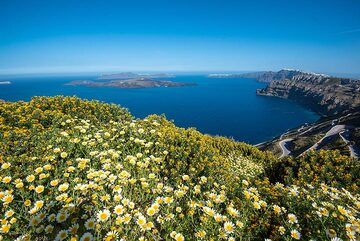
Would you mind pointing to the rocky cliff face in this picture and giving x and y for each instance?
(268, 76)
(321, 93)
(263, 76)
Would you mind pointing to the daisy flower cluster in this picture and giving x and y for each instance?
(83, 170)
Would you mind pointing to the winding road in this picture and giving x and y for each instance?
(354, 151)
(282, 144)
(335, 130)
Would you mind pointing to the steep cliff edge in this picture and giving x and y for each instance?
(266, 76)
(323, 94)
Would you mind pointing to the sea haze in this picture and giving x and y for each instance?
(227, 107)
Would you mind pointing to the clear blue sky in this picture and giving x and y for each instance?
(179, 35)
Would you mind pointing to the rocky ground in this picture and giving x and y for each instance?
(341, 132)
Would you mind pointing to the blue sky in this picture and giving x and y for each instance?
(179, 35)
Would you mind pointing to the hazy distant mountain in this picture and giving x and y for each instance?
(131, 75)
(266, 76)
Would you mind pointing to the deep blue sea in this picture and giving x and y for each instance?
(227, 107)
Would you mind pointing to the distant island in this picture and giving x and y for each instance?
(5, 82)
(131, 75)
(130, 80)
(222, 75)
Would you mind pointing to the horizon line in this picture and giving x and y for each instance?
(100, 72)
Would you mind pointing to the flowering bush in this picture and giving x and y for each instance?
(84, 170)
(317, 167)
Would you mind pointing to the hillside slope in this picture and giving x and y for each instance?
(73, 169)
(338, 132)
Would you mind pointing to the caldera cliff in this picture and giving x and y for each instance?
(323, 94)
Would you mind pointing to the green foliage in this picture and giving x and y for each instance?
(314, 168)
(84, 170)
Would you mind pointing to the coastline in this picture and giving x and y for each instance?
(213, 106)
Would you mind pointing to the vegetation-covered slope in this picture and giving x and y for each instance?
(83, 170)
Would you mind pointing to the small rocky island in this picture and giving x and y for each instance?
(130, 80)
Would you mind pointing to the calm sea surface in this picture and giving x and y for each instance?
(227, 107)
